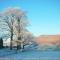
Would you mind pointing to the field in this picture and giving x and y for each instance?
(6, 54)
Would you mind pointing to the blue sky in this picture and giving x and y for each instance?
(44, 15)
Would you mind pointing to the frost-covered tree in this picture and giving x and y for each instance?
(19, 26)
(27, 37)
(14, 21)
(8, 21)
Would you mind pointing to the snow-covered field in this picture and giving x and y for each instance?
(6, 54)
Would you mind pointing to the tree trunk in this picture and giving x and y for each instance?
(10, 45)
(23, 46)
(11, 41)
(19, 44)
(19, 36)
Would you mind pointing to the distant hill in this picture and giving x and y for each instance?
(48, 39)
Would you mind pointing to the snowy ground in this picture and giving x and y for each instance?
(6, 54)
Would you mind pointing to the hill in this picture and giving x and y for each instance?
(48, 39)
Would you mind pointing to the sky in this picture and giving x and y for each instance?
(43, 15)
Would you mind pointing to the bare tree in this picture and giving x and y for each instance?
(27, 38)
(9, 21)
(16, 21)
(20, 26)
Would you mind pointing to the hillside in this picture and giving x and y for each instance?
(48, 39)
